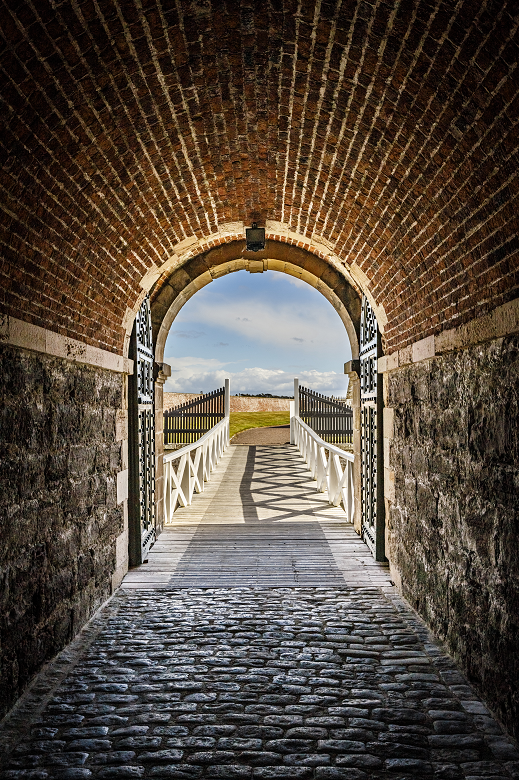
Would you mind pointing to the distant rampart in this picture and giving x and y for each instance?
(238, 403)
(250, 404)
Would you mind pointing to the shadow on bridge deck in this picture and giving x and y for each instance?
(259, 522)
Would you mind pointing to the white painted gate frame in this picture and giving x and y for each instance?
(323, 460)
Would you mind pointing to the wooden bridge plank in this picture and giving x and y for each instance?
(259, 522)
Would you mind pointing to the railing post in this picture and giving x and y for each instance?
(294, 412)
(227, 407)
(227, 410)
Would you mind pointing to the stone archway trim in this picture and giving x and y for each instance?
(190, 247)
(242, 264)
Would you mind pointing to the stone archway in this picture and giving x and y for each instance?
(174, 290)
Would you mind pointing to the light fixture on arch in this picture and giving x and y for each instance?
(255, 238)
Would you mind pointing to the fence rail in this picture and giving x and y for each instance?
(330, 419)
(190, 421)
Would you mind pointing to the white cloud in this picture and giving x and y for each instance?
(290, 279)
(192, 375)
(276, 324)
(187, 365)
(187, 334)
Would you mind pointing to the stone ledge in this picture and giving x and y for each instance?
(17, 333)
(122, 486)
(121, 551)
(501, 322)
(389, 484)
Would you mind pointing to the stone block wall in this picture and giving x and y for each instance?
(176, 399)
(453, 523)
(59, 460)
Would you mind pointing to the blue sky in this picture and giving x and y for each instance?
(260, 330)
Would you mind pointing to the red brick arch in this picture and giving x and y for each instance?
(388, 130)
(176, 288)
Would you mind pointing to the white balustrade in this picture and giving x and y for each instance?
(188, 469)
(324, 461)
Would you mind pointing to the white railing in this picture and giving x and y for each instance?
(324, 461)
(187, 470)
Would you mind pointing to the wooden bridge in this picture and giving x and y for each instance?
(259, 522)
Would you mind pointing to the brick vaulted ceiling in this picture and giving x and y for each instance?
(388, 129)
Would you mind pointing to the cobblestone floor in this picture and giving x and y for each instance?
(258, 683)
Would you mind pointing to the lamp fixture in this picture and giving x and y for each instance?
(255, 238)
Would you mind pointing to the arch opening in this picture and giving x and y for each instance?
(174, 290)
(260, 330)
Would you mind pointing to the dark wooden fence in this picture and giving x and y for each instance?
(188, 422)
(332, 420)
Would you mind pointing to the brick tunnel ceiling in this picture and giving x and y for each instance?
(389, 129)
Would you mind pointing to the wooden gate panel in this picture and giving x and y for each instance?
(331, 419)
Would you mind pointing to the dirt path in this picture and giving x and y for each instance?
(275, 434)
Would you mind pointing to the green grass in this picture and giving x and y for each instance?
(240, 421)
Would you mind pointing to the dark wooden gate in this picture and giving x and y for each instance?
(329, 418)
(371, 403)
(188, 422)
(141, 488)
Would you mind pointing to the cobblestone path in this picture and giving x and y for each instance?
(258, 683)
(196, 669)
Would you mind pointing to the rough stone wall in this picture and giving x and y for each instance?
(238, 404)
(58, 506)
(175, 399)
(453, 528)
(244, 404)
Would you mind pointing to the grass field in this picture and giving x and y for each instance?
(240, 421)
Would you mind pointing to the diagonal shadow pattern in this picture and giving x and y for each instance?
(262, 529)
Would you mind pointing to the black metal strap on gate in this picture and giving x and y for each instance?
(368, 352)
(144, 349)
(188, 422)
(330, 418)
